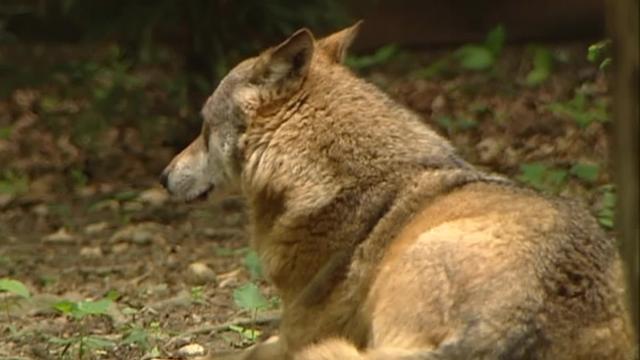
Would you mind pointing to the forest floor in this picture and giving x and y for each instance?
(115, 269)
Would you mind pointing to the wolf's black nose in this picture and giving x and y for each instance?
(164, 179)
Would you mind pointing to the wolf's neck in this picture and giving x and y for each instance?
(307, 254)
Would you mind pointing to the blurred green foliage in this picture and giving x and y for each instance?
(600, 53)
(543, 177)
(381, 56)
(212, 34)
(542, 65)
(482, 56)
(141, 64)
(473, 56)
(582, 108)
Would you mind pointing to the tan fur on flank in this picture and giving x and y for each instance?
(381, 241)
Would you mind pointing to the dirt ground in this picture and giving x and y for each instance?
(82, 217)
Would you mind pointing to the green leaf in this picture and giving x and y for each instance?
(586, 172)
(605, 63)
(5, 132)
(435, 69)
(495, 40)
(532, 174)
(596, 51)
(249, 334)
(98, 307)
(542, 66)
(475, 57)
(60, 341)
(542, 177)
(138, 336)
(609, 200)
(606, 213)
(556, 179)
(65, 306)
(445, 122)
(606, 220)
(125, 195)
(13, 183)
(252, 262)
(14, 287)
(581, 111)
(112, 295)
(93, 342)
(83, 308)
(464, 123)
(154, 353)
(249, 297)
(381, 56)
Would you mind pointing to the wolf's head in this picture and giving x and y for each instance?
(253, 88)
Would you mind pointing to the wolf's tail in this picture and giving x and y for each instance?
(339, 349)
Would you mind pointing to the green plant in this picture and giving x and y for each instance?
(212, 34)
(379, 57)
(478, 57)
(249, 297)
(14, 287)
(141, 338)
(253, 265)
(482, 56)
(585, 172)
(581, 110)
(606, 211)
(543, 177)
(542, 65)
(13, 183)
(600, 53)
(5, 132)
(78, 311)
(454, 124)
(197, 294)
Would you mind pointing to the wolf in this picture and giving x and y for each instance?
(381, 241)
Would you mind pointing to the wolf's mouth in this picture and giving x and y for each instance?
(200, 197)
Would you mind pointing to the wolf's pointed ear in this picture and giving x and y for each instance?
(289, 60)
(337, 44)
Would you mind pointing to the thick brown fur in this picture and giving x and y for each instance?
(381, 241)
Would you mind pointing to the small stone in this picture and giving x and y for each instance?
(234, 220)
(5, 199)
(158, 290)
(191, 350)
(61, 236)
(91, 251)
(133, 206)
(200, 274)
(438, 103)
(87, 191)
(40, 210)
(111, 205)
(119, 248)
(489, 149)
(223, 234)
(154, 197)
(141, 234)
(96, 228)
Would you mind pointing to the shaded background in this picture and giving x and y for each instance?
(97, 96)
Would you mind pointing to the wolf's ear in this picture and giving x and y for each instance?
(337, 44)
(289, 60)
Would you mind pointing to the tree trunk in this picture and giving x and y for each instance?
(622, 22)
